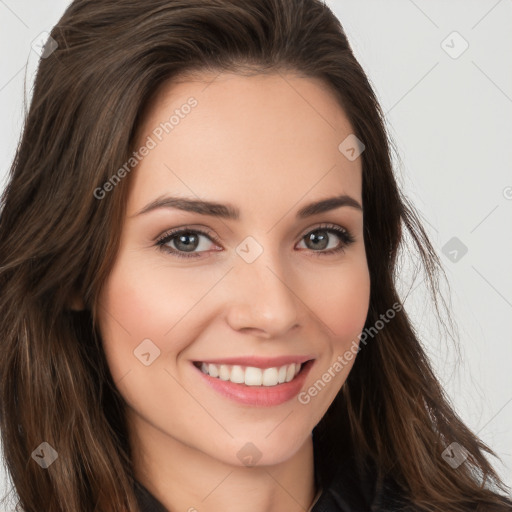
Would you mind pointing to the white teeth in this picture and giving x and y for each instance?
(224, 372)
(251, 376)
(237, 374)
(269, 377)
(213, 370)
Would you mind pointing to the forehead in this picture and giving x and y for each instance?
(262, 137)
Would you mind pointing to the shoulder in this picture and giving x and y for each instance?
(352, 489)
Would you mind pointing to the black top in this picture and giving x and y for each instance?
(344, 487)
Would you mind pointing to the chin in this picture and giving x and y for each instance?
(260, 450)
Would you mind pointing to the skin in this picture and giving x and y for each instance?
(268, 144)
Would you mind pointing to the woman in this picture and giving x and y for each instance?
(195, 313)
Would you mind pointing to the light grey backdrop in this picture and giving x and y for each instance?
(442, 71)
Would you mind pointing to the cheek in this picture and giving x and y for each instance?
(342, 303)
(133, 308)
(141, 301)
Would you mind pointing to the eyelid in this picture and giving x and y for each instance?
(173, 231)
(325, 225)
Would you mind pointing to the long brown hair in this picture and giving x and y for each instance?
(57, 239)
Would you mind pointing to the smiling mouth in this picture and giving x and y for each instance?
(250, 375)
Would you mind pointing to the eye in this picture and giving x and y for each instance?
(184, 242)
(320, 237)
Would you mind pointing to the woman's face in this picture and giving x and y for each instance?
(258, 293)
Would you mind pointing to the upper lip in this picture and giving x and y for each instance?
(258, 362)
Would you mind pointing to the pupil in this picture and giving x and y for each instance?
(188, 246)
(321, 238)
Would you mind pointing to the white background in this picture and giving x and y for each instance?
(451, 119)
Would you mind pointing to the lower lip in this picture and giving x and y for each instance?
(264, 396)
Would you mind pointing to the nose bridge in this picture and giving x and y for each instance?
(262, 298)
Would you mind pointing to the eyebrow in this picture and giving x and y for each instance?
(230, 212)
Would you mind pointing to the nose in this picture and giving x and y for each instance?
(262, 299)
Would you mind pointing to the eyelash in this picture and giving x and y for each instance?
(345, 236)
